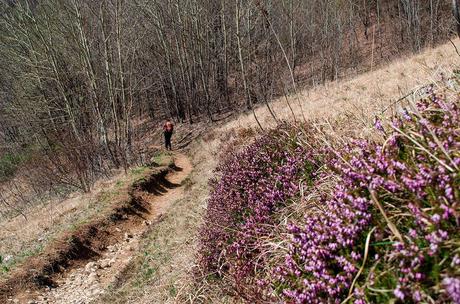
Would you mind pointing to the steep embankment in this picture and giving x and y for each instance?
(82, 263)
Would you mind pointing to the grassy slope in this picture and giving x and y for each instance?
(162, 270)
(357, 99)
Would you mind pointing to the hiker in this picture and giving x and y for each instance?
(168, 129)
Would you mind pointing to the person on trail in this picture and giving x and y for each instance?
(168, 129)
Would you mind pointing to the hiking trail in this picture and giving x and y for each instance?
(94, 274)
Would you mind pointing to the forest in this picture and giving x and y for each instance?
(78, 75)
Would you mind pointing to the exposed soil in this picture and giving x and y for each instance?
(81, 264)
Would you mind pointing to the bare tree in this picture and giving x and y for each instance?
(456, 11)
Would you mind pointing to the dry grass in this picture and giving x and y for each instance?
(359, 99)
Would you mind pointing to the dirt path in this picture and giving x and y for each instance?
(94, 277)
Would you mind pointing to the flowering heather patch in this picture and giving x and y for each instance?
(387, 232)
(252, 184)
(391, 228)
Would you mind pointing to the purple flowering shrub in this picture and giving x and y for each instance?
(391, 229)
(387, 230)
(251, 185)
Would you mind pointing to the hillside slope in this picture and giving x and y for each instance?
(164, 268)
(352, 103)
(332, 211)
(361, 97)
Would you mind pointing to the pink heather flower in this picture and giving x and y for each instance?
(433, 249)
(413, 233)
(406, 115)
(436, 218)
(355, 256)
(398, 293)
(455, 261)
(378, 124)
(417, 296)
(452, 287)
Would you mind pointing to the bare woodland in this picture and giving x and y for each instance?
(77, 74)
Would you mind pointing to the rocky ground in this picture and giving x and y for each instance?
(85, 284)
